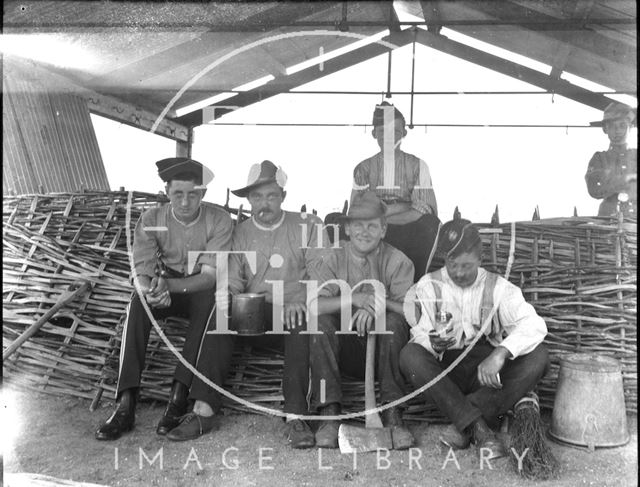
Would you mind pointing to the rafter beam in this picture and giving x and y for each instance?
(104, 105)
(509, 68)
(286, 83)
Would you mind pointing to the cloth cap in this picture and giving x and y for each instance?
(616, 111)
(378, 114)
(457, 234)
(365, 206)
(172, 166)
(263, 173)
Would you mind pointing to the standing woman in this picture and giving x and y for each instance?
(403, 182)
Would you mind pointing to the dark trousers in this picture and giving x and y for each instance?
(459, 394)
(215, 361)
(332, 354)
(415, 240)
(196, 307)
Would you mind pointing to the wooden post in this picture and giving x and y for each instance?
(578, 297)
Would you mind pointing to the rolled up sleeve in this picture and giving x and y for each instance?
(525, 329)
(420, 332)
(145, 244)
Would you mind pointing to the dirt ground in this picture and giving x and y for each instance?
(54, 436)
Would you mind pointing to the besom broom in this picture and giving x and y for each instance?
(527, 434)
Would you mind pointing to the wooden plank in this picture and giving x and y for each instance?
(287, 83)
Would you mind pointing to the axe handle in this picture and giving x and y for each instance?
(372, 420)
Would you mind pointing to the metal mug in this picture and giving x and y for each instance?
(248, 314)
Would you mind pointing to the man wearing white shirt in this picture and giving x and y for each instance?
(505, 363)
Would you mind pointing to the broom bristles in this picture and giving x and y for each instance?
(538, 463)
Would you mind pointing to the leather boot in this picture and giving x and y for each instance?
(327, 434)
(486, 439)
(401, 436)
(122, 419)
(176, 408)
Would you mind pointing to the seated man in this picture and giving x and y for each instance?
(507, 361)
(286, 247)
(612, 175)
(365, 256)
(163, 239)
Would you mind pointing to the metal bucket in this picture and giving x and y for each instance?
(247, 314)
(589, 407)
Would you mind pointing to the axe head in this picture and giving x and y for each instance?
(358, 439)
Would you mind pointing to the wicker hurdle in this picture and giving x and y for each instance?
(579, 273)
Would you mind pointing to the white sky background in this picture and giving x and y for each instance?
(472, 168)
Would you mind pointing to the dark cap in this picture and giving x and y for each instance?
(378, 114)
(457, 236)
(169, 168)
(263, 173)
(616, 111)
(365, 206)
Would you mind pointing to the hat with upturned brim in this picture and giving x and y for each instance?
(171, 167)
(457, 236)
(365, 206)
(616, 111)
(264, 173)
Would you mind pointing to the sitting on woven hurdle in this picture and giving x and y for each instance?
(284, 245)
(163, 240)
(477, 326)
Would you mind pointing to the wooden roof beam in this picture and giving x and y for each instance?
(104, 105)
(509, 68)
(283, 84)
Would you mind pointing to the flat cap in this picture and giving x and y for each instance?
(169, 168)
(378, 114)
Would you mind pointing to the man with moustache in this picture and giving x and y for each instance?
(286, 247)
(507, 361)
(365, 256)
(163, 239)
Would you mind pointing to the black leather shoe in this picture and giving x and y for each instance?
(176, 408)
(192, 426)
(122, 419)
(327, 434)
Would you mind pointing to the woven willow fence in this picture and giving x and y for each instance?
(579, 273)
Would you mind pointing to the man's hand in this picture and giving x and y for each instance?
(294, 315)
(158, 293)
(362, 321)
(490, 367)
(440, 344)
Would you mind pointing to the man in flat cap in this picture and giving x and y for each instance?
(505, 363)
(364, 256)
(164, 244)
(403, 182)
(286, 246)
(612, 175)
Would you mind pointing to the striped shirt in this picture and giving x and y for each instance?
(410, 176)
(523, 330)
